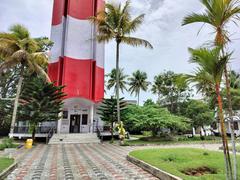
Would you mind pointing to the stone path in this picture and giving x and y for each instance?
(78, 161)
(84, 161)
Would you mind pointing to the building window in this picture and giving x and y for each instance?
(84, 119)
(235, 124)
(65, 114)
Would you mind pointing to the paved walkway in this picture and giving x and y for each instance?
(85, 162)
(78, 161)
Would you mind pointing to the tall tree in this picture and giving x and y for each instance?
(111, 82)
(18, 49)
(218, 14)
(108, 111)
(199, 112)
(40, 101)
(157, 86)
(210, 62)
(115, 23)
(171, 90)
(138, 82)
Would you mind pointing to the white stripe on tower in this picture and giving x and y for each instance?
(99, 47)
(57, 30)
(79, 40)
(57, 39)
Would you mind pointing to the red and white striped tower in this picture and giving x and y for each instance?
(77, 60)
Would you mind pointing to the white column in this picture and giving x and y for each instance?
(59, 123)
(91, 117)
(194, 131)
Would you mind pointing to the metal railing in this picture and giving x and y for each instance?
(50, 134)
(27, 129)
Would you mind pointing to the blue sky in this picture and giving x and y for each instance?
(162, 27)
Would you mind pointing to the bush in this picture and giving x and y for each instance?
(147, 133)
(2, 147)
(7, 143)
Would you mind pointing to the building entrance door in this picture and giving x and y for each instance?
(75, 120)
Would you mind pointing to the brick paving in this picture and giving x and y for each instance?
(78, 161)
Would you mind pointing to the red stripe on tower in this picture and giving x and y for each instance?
(81, 9)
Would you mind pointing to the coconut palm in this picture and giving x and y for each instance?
(211, 64)
(138, 82)
(115, 23)
(18, 49)
(218, 13)
(111, 82)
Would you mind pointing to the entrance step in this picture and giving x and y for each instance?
(74, 138)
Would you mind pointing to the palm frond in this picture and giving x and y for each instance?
(134, 24)
(40, 59)
(20, 31)
(7, 64)
(196, 18)
(136, 42)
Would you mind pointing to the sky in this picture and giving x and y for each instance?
(162, 27)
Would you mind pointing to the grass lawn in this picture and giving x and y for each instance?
(142, 140)
(5, 162)
(177, 160)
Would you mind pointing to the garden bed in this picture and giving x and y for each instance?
(186, 163)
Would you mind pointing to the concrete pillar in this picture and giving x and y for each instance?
(91, 116)
(59, 123)
(193, 131)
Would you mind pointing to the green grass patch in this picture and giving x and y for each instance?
(144, 140)
(5, 162)
(178, 161)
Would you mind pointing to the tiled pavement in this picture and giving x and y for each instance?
(78, 161)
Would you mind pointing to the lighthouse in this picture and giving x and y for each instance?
(77, 62)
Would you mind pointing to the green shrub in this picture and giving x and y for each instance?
(7, 143)
(2, 147)
(147, 133)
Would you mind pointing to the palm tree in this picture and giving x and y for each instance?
(116, 23)
(18, 49)
(138, 82)
(218, 13)
(111, 82)
(212, 64)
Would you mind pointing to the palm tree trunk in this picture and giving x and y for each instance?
(14, 116)
(117, 82)
(138, 97)
(231, 124)
(223, 134)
